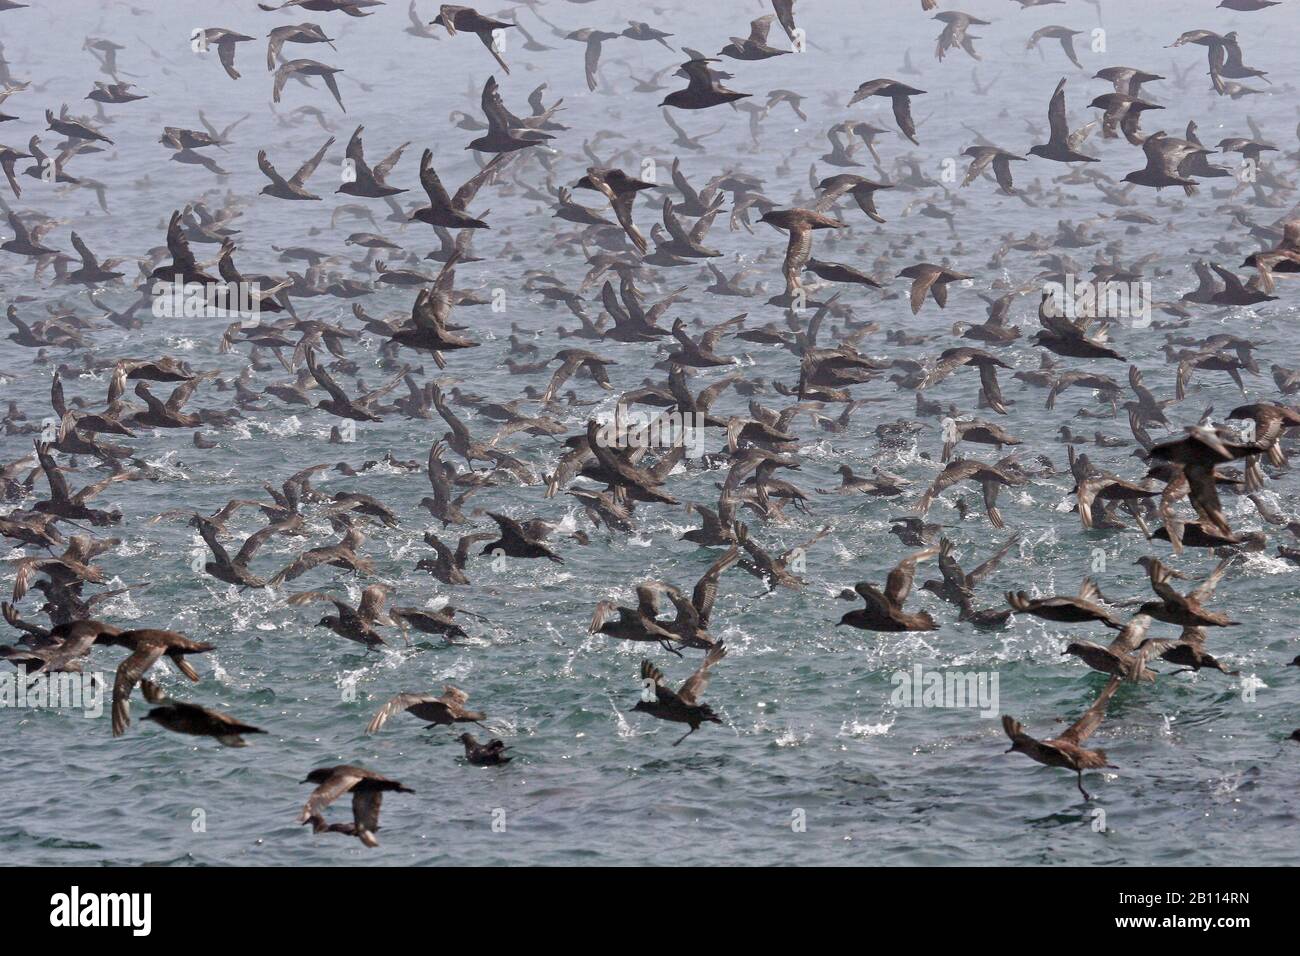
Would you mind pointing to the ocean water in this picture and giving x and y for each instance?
(814, 762)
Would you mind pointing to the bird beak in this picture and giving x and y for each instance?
(1009, 749)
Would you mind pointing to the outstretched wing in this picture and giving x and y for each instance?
(1056, 121)
(298, 179)
(338, 783)
(706, 590)
(690, 692)
(128, 675)
(438, 197)
(1086, 726)
(899, 583)
(269, 171)
(179, 246)
(396, 705)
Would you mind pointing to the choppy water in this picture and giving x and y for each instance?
(1205, 775)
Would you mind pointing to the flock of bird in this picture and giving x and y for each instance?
(1168, 491)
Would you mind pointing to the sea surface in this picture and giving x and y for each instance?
(814, 762)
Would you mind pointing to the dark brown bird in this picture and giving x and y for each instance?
(884, 611)
(620, 190)
(1124, 657)
(682, 706)
(775, 572)
(799, 223)
(367, 789)
(1184, 610)
(984, 156)
(703, 88)
(899, 95)
(518, 541)
(183, 718)
(640, 623)
(930, 279)
(438, 711)
(991, 479)
(459, 19)
(449, 211)
(1066, 609)
(235, 570)
(490, 754)
(1061, 146)
(366, 181)
(342, 554)
(1196, 455)
(356, 624)
(1067, 750)
(862, 190)
(295, 186)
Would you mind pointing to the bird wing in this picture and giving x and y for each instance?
(988, 567)
(903, 116)
(706, 590)
(365, 814)
(1205, 590)
(978, 165)
(226, 53)
(268, 171)
(371, 608)
(591, 60)
(1205, 498)
(394, 706)
(709, 340)
(500, 119)
(921, 285)
(338, 783)
(1056, 121)
(899, 583)
(88, 260)
(1002, 173)
(689, 693)
(356, 153)
(465, 195)
(59, 491)
(1131, 635)
(797, 251)
(298, 179)
(255, 541)
(663, 693)
(562, 375)
(385, 166)
(992, 390)
(1086, 726)
(181, 394)
(128, 675)
(874, 598)
(179, 246)
(438, 197)
(324, 379)
(622, 206)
